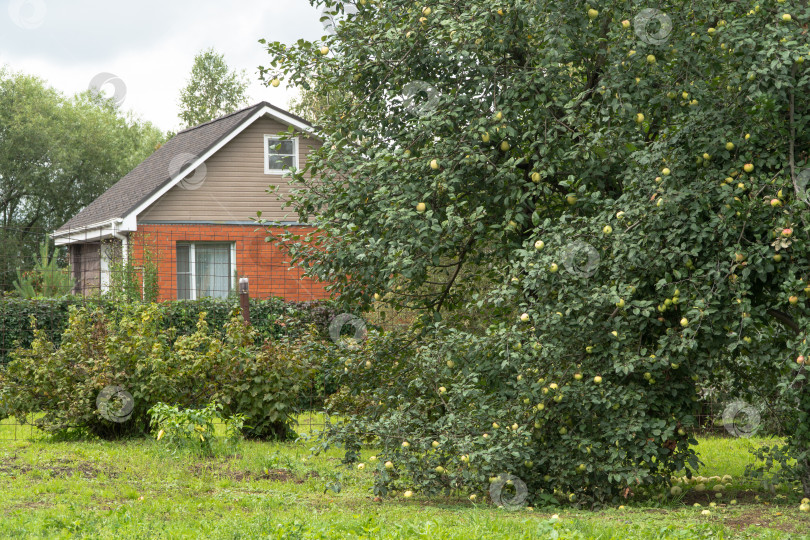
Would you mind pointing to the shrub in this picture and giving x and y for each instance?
(195, 430)
(272, 317)
(135, 352)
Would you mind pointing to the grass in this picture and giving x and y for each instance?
(135, 489)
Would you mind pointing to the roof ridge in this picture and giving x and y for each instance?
(192, 128)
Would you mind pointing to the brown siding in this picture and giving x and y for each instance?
(235, 184)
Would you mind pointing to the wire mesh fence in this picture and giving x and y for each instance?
(159, 261)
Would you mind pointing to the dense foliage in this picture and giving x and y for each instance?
(101, 359)
(45, 279)
(57, 154)
(619, 191)
(271, 317)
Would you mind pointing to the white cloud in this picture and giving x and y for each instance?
(149, 44)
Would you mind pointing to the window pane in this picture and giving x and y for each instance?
(280, 147)
(213, 269)
(279, 162)
(183, 273)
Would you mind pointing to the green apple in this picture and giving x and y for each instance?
(650, 58)
(553, 268)
(324, 50)
(597, 379)
(485, 137)
(426, 11)
(408, 494)
(589, 349)
(275, 83)
(592, 14)
(442, 390)
(539, 245)
(434, 164)
(665, 171)
(578, 376)
(450, 363)
(389, 465)
(504, 146)
(776, 202)
(675, 491)
(639, 118)
(535, 177)
(793, 300)
(465, 458)
(607, 229)
(786, 17)
(804, 507)
(729, 146)
(625, 24)
(524, 317)
(571, 199)
(498, 116)
(620, 303)
(748, 167)
(473, 497)
(684, 322)
(439, 469)
(777, 258)
(495, 425)
(421, 207)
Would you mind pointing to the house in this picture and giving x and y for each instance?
(184, 214)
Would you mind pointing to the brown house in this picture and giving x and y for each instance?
(184, 214)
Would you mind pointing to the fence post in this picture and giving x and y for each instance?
(244, 299)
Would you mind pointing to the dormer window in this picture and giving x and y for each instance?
(280, 155)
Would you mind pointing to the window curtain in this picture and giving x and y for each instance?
(213, 269)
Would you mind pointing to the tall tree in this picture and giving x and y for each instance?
(631, 185)
(57, 154)
(213, 90)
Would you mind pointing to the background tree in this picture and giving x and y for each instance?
(57, 154)
(213, 90)
(621, 190)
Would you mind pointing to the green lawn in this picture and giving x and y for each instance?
(134, 489)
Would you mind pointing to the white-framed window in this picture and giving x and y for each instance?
(280, 154)
(205, 269)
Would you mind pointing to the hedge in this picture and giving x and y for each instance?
(273, 317)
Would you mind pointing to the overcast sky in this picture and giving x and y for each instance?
(148, 44)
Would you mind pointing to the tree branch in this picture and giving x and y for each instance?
(785, 319)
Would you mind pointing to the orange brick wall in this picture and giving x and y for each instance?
(265, 265)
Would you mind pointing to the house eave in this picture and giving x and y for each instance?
(95, 232)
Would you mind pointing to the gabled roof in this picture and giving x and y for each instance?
(154, 174)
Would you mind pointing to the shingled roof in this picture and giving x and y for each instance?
(154, 172)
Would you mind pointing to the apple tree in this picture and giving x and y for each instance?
(595, 208)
